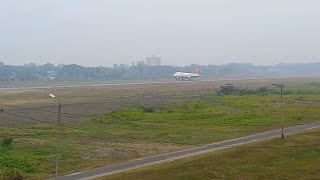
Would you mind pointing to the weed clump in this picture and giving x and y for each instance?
(7, 142)
(147, 109)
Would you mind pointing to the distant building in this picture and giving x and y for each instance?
(141, 63)
(153, 60)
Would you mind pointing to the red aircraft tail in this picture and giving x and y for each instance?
(198, 71)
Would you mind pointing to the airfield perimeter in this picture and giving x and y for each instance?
(89, 100)
(115, 123)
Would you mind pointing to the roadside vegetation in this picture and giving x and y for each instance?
(295, 157)
(140, 130)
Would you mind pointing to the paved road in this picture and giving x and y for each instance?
(116, 168)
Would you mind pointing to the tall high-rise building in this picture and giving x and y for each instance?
(153, 60)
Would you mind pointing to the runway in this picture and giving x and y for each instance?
(61, 86)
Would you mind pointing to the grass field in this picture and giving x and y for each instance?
(296, 157)
(128, 122)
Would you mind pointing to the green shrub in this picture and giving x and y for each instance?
(6, 141)
(147, 109)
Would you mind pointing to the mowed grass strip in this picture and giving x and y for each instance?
(295, 157)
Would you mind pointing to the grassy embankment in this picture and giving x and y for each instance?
(296, 157)
(135, 132)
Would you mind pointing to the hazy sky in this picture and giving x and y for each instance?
(104, 32)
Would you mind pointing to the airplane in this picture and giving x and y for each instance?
(186, 75)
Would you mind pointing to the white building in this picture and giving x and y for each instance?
(153, 60)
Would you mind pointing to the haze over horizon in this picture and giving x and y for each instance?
(183, 32)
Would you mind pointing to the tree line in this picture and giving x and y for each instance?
(74, 72)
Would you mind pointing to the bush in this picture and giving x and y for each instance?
(6, 141)
(227, 90)
(147, 109)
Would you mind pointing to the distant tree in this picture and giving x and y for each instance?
(74, 72)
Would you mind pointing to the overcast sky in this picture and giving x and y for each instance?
(104, 32)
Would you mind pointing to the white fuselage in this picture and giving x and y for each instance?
(185, 75)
